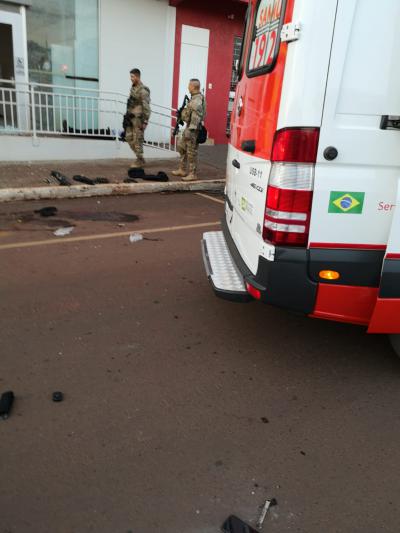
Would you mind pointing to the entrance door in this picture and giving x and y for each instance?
(194, 58)
(7, 52)
(13, 72)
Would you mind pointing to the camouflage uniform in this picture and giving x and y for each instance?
(139, 110)
(188, 147)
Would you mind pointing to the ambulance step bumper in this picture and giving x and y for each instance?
(226, 280)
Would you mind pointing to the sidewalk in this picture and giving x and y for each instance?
(16, 175)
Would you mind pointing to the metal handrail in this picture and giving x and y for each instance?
(84, 89)
(26, 108)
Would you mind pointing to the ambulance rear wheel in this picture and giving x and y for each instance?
(395, 340)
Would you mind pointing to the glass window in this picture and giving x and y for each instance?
(264, 46)
(63, 50)
(244, 42)
(237, 53)
(63, 42)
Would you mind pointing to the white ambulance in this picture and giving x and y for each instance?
(312, 211)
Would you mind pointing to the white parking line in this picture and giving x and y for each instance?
(217, 200)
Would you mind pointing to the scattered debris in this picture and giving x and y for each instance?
(136, 173)
(160, 176)
(264, 511)
(130, 180)
(152, 240)
(62, 232)
(99, 216)
(90, 181)
(135, 237)
(233, 524)
(264, 420)
(47, 211)
(6, 402)
(57, 396)
(62, 180)
(83, 179)
(139, 173)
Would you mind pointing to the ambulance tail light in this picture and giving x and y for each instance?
(290, 187)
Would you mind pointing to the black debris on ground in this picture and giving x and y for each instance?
(233, 524)
(6, 403)
(139, 173)
(57, 396)
(62, 180)
(160, 176)
(136, 173)
(47, 211)
(83, 179)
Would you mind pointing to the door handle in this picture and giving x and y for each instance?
(236, 163)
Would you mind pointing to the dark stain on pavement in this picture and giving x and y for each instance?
(18, 219)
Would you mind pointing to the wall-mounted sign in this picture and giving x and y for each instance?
(19, 65)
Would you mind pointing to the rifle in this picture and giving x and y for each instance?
(125, 124)
(179, 121)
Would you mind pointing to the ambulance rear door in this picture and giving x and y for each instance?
(358, 163)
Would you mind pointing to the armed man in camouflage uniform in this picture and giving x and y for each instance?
(137, 117)
(193, 115)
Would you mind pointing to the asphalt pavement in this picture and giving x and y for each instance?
(179, 408)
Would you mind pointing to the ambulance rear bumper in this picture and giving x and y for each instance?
(292, 280)
(222, 272)
(284, 282)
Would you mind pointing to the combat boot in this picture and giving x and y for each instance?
(191, 177)
(180, 172)
(139, 163)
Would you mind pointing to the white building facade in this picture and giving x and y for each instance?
(64, 76)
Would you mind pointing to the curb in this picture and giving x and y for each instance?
(112, 189)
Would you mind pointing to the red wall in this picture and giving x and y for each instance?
(212, 15)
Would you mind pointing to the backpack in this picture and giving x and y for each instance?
(202, 135)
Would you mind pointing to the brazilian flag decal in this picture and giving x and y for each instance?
(346, 202)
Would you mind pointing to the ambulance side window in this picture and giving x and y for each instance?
(265, 40)
(244, 42)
